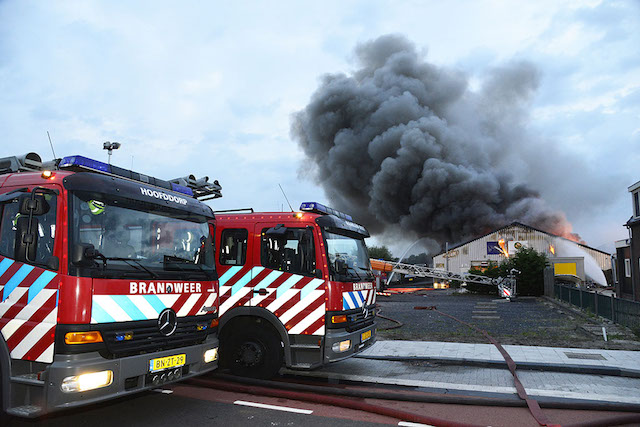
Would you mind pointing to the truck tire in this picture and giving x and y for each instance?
(255, 352)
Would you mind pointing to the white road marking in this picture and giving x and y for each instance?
(410, 424)
(162, 390)
(277, 408)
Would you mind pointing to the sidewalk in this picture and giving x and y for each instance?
(598, 377)
(577, 360)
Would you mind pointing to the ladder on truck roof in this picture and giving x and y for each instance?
(199, 188)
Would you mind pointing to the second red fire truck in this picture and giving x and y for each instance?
(296, 289)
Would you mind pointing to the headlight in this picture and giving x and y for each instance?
(210, 355)
(341, 346)
(87, 382)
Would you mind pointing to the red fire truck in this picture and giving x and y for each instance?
(107, 282)
(295, 289)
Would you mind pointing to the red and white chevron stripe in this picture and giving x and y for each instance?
(28, 310)
(298, 301)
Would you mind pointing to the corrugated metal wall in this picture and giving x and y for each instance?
(460, 258)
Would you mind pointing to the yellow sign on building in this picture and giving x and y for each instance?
(567, 268)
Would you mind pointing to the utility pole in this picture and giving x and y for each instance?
(446, 256)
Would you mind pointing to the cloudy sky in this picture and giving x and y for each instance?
(210, 88)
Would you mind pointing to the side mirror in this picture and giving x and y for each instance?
(53, 263)
(83, 254)
(26, 239)
(318, 273)
(340, 266)
(34, 204)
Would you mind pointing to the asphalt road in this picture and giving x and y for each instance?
(193, 406)
(188, 405)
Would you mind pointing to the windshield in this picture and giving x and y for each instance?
(350, 250)
(140, 239)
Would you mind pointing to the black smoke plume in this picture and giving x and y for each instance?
(405, 145)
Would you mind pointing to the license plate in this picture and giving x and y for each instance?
(168, 362)
(365, 336)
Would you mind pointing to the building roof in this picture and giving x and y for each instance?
(519, 224)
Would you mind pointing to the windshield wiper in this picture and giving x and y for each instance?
(369, 273)
(128, 260)
(176, 260)
(356, 274)
(172, 259)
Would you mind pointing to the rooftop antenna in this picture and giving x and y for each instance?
(51, 144)
(110, 146)
(285, 197)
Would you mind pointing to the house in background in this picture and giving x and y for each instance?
(627, 258)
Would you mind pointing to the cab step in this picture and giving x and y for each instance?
(305, 346)
(301, 366)
(28, 411)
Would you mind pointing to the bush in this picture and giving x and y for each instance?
(491, 271)
(531, 264)
(530, 281)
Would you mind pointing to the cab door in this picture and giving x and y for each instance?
(235, 265)
(29, 273)
(286, 279)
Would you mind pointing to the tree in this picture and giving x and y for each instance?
(493, 271)
(531, 264)
(381, 252)
(422, 258)
(530, 281)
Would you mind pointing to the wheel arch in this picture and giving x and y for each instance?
(255, 313)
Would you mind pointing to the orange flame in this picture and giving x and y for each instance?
(503, 248)
(552, 249)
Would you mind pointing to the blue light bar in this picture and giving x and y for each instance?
(322, 209)
(81, 162)
(84, 162)
(181, 189)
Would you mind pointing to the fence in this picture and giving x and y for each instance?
(624, 312)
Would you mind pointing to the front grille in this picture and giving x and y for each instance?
(147, 337)
(355, 318)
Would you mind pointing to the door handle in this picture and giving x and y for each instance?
(261, 291)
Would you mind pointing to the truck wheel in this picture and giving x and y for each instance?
(255, 352)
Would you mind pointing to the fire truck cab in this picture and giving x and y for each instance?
(295, 289)
(107, 282)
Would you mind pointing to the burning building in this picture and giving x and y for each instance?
(571, 260)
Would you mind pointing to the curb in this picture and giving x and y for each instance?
(534, 366)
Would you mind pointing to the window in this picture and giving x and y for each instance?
(8, 228)
(139, 239)
(627, 267)
(46, 229)
(233, 246)
(292, 251)
(636, 203)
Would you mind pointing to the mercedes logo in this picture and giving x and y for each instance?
(167, 322)
(365, 312)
